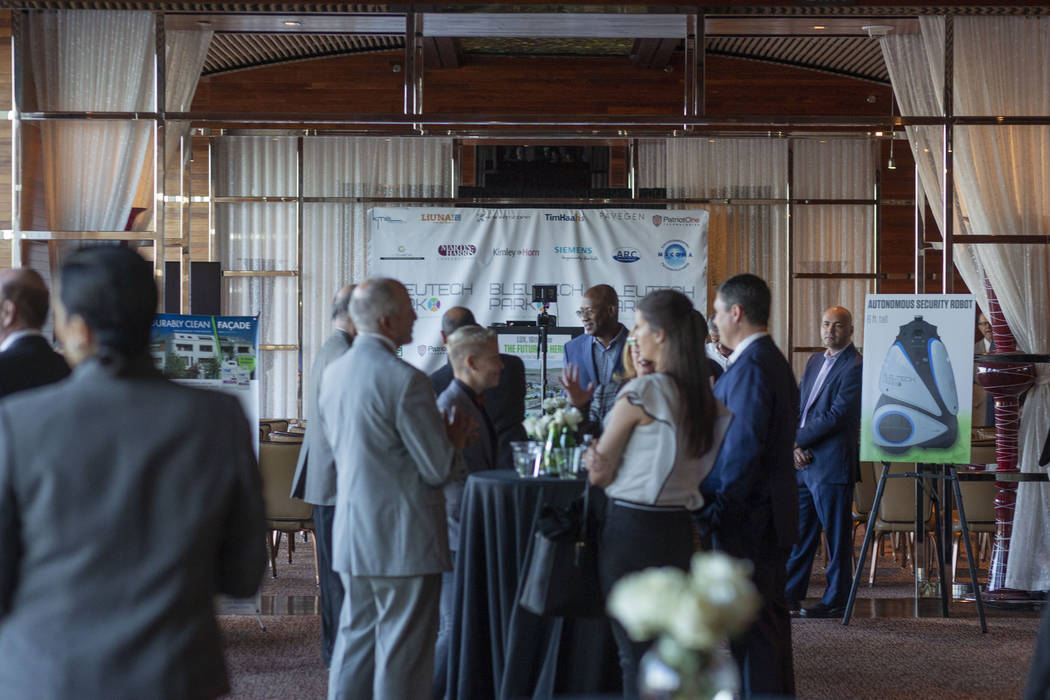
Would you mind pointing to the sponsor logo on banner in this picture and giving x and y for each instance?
(433, 304)
(512, 253)
(675, 255)
(626, 255)
(575, 252)
(675, 220)
(438, 218)
(619, 215)
(387, 219)
(456, 250)
(482, 215)
(423, 350)
(402, 253)
(574, 218)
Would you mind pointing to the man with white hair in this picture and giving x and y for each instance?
(393, 454)
(473, 352)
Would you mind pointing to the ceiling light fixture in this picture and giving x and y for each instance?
(819, 26)
(292, 23)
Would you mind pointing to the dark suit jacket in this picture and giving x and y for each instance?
(505, 404)
(126, 504)
(30, 362)
(832, 430)
(314, 479)
(752, 484)
(479, 454)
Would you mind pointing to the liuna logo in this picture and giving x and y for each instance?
(626, 255)
(918, 405)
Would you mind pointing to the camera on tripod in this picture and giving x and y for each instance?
(545, 294)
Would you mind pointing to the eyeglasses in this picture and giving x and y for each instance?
(585, 312)
(631, 340)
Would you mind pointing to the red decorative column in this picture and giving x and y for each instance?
(1005, 382)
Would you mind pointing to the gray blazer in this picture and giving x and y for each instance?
(392, 456)
(478, 455)
(126, 504)
(316, 484)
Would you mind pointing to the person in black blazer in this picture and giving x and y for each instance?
(505, 404)
(750, 496)
(127, 502)
(826, 447)
(27, 360)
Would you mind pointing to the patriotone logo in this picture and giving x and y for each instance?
(657, 219)
(675, 255)
(457, 250)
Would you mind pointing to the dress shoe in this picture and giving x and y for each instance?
(822, 610)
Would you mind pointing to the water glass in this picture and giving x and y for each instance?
(526, 454)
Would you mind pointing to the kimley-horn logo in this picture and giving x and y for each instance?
(675, 220)
(457, 250)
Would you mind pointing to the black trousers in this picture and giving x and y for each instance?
(635, 538)
(331, 584)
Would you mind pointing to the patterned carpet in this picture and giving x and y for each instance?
(887, 652)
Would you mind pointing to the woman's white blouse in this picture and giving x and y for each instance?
(653, 470)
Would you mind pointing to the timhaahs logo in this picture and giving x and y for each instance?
(675, 255)
(575, 217)
(626, 255)
(433, 304)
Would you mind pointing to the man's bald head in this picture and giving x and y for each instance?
(600, 311)
(603, 295)
(455, 318)
(24, 300)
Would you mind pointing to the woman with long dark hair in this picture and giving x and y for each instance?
(659, 442)
(126, 503)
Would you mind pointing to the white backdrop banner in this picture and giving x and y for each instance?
(488, 260)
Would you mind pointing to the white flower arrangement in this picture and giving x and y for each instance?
(557, 413)
(690, 612)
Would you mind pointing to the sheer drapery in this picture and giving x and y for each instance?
(91, 60)
(262, 236)
(185, 52)
(334, 234)
(754, 235)
(1002, 188)
(831, 238)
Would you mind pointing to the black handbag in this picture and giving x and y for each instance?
(561, 579)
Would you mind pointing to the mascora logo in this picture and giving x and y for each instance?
(626, 255)
(675, 255)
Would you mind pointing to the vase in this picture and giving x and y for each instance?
(693, 675)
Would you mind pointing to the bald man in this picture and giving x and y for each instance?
(27, 360)
(594, 359)
(826, 454)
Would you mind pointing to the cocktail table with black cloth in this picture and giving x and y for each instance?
(499, 649)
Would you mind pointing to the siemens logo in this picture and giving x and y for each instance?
(573, 218)
(572, 250)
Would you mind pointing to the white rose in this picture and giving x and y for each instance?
(549, 405)
(530, 426)
(573, 417)
(724, 590)
(640, 600)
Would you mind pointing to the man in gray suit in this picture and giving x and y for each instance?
(393, 453)
(314, 480)
(473, 352)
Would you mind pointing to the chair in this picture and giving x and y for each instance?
(978, 499)
(863, 497)
(284, 514)
(275, 423)
(897, 515)
(284, 436)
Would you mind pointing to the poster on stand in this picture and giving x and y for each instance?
(211, 352)
(489, 259)
(916, 398)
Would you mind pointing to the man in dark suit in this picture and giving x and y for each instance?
(26, 358)
(594, 360)
(314, 480)
(751, 501)
(473, 352)
(826, 446)
(504, 404)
